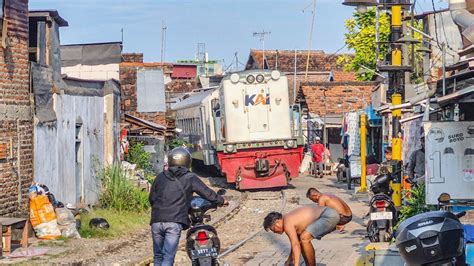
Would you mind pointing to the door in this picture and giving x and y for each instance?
(257, 105)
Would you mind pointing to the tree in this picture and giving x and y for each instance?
(360, 37)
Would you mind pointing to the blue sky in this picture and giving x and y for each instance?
(225, 26)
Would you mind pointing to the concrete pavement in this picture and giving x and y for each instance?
(334, 249)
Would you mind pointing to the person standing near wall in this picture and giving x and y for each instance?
(317, 149)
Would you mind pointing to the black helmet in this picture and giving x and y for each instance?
(179, 157)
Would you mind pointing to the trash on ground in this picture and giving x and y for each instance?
(99, 223)
(28, 252)
(67, 223)
(42, 215)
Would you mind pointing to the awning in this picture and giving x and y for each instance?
(456, 94)
(141, 126)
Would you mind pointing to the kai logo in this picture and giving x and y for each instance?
(256, 99)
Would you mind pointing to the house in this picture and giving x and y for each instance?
(77, 120)
(16, 110)
(98, 62)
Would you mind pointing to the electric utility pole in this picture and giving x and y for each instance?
(163, 40)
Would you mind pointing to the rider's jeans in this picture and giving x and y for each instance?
(165, 242)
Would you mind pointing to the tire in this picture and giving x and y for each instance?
(348, 180)
(373, 232)
(383, 235)
(205, 261)
(339, 175)
(461, 260)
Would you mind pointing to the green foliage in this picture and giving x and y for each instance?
(120, 194)
(177, 142)
(120, 223)
(415, 204)
(137, 155)
(360, 37)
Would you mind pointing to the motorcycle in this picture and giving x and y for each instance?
(383, 214)
(202, 242)
(432, 238)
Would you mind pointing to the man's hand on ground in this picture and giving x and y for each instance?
(226, 203)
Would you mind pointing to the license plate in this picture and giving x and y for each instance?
(381, 216)
(206, 252)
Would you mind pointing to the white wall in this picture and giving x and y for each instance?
(98, 72)
(55, 164)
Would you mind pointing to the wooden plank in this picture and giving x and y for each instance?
(41, 49)
(7, 221)
(3, 151)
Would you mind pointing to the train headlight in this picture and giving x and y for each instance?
(234, 78)
(290, 143)
(275, 75)
(250, 79)
(229, 148)
(260, 78)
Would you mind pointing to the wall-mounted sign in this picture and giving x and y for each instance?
(449, 158)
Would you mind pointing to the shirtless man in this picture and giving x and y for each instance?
(333, 202)
(302, 225)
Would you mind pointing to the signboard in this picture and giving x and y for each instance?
(449, 160)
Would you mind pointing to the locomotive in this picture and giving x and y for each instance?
(245, 128)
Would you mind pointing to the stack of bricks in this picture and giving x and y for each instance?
(16, 121)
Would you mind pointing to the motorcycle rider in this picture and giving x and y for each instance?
(170, 198)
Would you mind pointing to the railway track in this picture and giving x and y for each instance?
(242, 242)
(246, 210)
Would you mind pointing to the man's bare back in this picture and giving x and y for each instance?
(336, 203)
(303, 216)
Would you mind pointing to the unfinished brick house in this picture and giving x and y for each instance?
(16, 119)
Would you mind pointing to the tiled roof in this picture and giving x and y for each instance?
(284, 60)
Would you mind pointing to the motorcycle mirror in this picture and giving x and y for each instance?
(221, 192)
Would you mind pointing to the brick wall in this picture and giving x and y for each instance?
(337, 96)
(16, 122)
(128, 81)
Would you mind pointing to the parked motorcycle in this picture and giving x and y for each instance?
(382, 213)
(202, 243)
(432, 238)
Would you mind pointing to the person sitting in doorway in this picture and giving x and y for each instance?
(334, 202)
(302, 225)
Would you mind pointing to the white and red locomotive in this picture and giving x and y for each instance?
(246, 128)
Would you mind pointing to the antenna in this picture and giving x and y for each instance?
(262, 35)
(163, 40)
(310, 40)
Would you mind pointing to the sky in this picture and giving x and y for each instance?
(225, 26)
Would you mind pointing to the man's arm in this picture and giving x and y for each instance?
(290, 231)
(204, 191)
(152, 196)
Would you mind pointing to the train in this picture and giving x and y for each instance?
(245, 128)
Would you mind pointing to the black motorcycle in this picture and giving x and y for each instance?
(382, 213)
(202, 243)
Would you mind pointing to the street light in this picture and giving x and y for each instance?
(361, 5)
